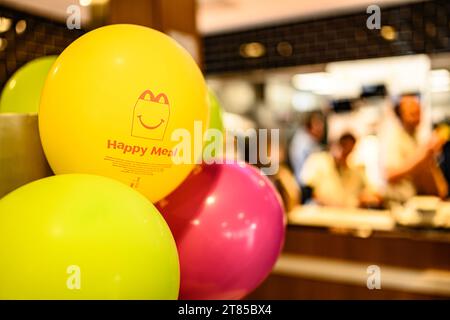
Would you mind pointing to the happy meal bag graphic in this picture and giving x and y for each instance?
(150, 116)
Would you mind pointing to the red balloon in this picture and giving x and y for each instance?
(229, 225)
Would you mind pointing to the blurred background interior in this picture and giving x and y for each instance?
(363, 115)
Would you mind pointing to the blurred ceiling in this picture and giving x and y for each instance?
(221, 15)
(55, 9)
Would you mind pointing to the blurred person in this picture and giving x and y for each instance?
(333, 182)
(444, 159)
(306, 140)
(284, 179)
(409, 167)
(445, 164)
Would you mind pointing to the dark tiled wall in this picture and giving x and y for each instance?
(422, 27)
(42, 37)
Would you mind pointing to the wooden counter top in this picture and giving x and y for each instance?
(328, 250)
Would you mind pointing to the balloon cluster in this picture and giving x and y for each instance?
(120, 220)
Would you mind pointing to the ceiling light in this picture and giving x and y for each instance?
(318, 82)
(284, 49)
(388, 33)
(252, 50)
(238, 96)
(21, 26)
(5, 24)
(440, 80)
(304, 101)
(85, 3)
(3, 44)
(440, 73)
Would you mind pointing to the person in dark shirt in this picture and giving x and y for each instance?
(445, 162)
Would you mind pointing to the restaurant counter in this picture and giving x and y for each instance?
(332, 253)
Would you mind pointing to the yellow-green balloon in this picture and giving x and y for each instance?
(215, 112)
(82, 236)
(22, 92)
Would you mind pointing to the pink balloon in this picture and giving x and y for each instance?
(229, 226)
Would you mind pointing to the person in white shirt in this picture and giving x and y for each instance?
(409, 167)
(306, 141)
(334, 183)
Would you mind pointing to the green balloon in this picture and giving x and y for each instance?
(22, 92)
(215, 113)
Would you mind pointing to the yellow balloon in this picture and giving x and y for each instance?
(80, 236)
(111, 103)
